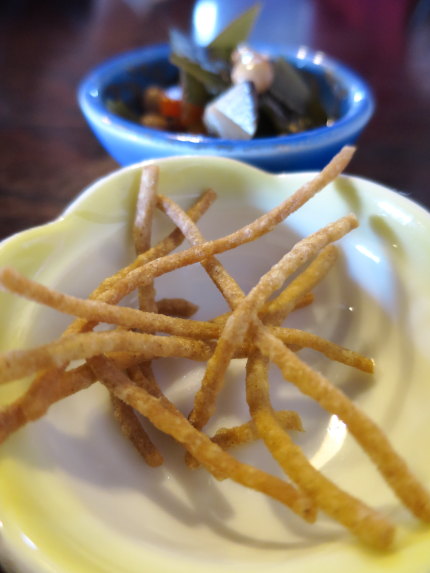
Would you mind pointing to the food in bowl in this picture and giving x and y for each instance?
(109, 98)
(229, 90)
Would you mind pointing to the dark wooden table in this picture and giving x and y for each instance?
(48, 154)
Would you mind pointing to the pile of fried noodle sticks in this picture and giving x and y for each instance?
(120, 358)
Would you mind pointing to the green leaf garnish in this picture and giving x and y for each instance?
(209, 67)
(193, 91)
(236, 32)
(212, 81)
(184, 47)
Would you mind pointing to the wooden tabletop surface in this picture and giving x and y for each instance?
(48, 154)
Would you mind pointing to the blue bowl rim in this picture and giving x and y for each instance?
(351, 123)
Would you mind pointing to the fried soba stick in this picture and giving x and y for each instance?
(124, 414)
(144, 274)
(18, 363)
(228, 438)
(363, 521)
(23, 410)
(124, 281)
(179, 307)
(218, 462)
(106, 290)
(242, 317)
(131, 318)
(120, 358)
(367, 524)
(368, 434)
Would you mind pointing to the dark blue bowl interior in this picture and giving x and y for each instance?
(127, 84)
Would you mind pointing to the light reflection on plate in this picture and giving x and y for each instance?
(75, 497)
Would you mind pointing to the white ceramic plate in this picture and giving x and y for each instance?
(75, 497)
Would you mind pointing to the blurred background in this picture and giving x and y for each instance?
(48, 154)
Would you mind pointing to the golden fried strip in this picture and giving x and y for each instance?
(226, 284)
(124, 414)
(34, 403)
(145, 205)
(53, 387)
(98, 311)
(228, 287)
(290, 298)
(274, 312)
(166, 245)
(302, 339)
(106, 289)
(243, 316)
(22, 410)
(178, 307)
(367, 433)
(133, 430)
(218, 462)
(277, 310)
(228, 438)
(306, 300)
(337, 503)
(142, 228)
(150, 322)
(260, 226)
(18, 363)
(234, 295)
(368, 525)
(363, 521)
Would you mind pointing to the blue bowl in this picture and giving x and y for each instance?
(345, 95)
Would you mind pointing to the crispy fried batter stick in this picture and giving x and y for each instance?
(109, 291)
(150, 323)
(238, 323)
(124, 414)
(23, 409)
(362, 520)
(170, 421)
